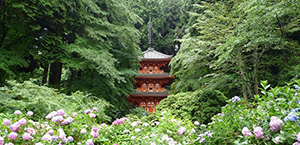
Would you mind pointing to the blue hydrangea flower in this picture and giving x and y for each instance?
(235, 98)
(297, 87)
(291, 117)
(295, 110)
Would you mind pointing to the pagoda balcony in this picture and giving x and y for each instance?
(149, 94)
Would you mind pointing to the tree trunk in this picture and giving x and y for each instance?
(45, 74)
(55, 73)
(255, 72)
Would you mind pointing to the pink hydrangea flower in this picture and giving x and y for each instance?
(69, 119)
(51, 115)
(181, 130)
(57, 119)
(95, 109)
(275, 124)
(1, 140)
(14, 127)
(70, 138)
(31, 131)
(74, 114)
(6, 122)
(83, 131)
(26, 136)
(60, 112)
(47, 137)
(95, 129)
(89, 142)
(94, 134)
(277, 139)
(61, 134)
(29, 113)
(258, 132)
(10, 143)
(12, 135)
(298, 136)
(296, 143)
(246, 132)
(87, 111)
(118, 121)
(17, 112)
(22, 121)
(39, 143)
(92, 115)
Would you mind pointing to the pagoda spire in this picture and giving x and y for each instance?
(150, 35)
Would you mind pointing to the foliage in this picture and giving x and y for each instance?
(28, 96)
(233, 44)
(281, 102)
(199, 105)
(168, 22)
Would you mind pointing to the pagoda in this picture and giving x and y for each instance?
(152, 79)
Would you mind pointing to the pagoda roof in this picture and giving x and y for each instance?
(154, 75)
(152, 54)
(150, 94)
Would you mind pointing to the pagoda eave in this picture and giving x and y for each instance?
(154, 77)
(155, 59)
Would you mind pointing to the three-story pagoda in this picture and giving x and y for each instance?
(152, 79)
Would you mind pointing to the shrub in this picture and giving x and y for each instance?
(200, 105)
(271, 118)
(28, 96)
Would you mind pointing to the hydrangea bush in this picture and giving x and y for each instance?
(62, 127)
(270, 118)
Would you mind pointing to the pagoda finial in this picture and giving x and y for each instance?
(150, 35)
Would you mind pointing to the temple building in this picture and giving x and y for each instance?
(152, 80)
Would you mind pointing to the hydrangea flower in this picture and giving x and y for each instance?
(235, 98)
(54, 137)
(74, 114)
(298, 136)
(246, 132)
(275, 123)
(83, 131)
(1, 140)
(14, 127)
(26, 136)
(87, 111)
(6, 122)
(22, 121)
(47, 137)
(118, 121)
(137, 130)
(92, 115)
(297, 87)
(277, 139)
(57, 119)
(133, 137)
(12, 135)
(60, 112)
(296, 143)
(95, 109)
(17, 112)
(181, 130)
(51, 115)
(10, 143)
(258, 132)
(70, 139)
(89, 142)
(39, 143)
(202, 140)
(291, 117)
(29, 113)
(196, 123)
(94, 134)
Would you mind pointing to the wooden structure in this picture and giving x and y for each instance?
(152, 79)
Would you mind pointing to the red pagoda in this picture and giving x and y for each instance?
(152, 79)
